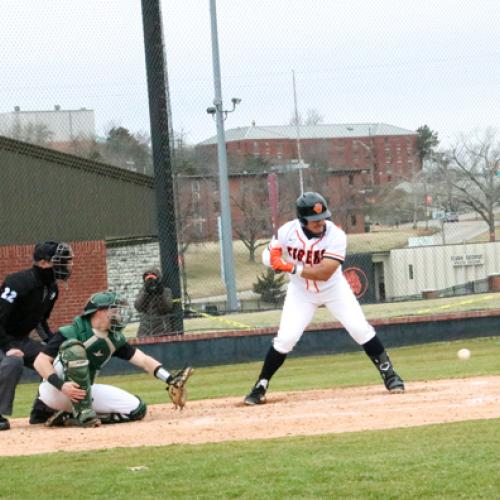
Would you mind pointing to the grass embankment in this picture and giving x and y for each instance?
(203, 259)
(477, 302)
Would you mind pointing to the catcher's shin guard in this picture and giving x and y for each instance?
(392, 381)
(76, 369)
(64, 419)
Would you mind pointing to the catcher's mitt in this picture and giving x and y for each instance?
(177, 387)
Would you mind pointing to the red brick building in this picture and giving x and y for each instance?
(389, 152)
(346, 162)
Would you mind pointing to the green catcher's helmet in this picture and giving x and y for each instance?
(118, 306)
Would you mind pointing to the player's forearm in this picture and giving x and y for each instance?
(142, 360)
(319, 273)
(43, 365)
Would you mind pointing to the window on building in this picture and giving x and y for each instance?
(410, 271)
(195, 196)
(279, 150)
(255, 149)
(351, 179)
(199, 227)
(354, 220)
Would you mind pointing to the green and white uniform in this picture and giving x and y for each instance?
(99, 347)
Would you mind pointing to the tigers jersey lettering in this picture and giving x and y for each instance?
(310, 252)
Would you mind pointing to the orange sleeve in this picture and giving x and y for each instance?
(275, 256)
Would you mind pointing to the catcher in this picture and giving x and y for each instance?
(73, 357)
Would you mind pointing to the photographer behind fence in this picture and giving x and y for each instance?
(154, 302)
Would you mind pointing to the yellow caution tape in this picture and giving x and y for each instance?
(216, 318)
(222, 320)
(461, 303)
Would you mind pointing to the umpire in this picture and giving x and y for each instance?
(26, 301)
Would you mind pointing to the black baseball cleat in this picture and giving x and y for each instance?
(40, 412)
(58, 419)
(4, 424)
(394, 383)
(257, 395)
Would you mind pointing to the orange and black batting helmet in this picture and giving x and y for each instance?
(312, 206)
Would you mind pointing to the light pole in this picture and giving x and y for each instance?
(225, 207)
(300, 164)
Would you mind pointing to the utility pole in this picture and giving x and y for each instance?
(225, 206)
(297, 130)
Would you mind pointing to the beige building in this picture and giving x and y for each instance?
(411, 271)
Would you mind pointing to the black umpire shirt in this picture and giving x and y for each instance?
(26, 301)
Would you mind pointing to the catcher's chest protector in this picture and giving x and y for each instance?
(98, 349)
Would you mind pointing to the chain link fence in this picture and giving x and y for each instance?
(419, 203)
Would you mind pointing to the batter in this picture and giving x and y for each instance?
(312, 249)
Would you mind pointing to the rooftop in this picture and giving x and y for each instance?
(321, 131)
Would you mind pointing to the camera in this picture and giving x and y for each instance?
(153, 286)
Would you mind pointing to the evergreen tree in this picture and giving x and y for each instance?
(270, 287)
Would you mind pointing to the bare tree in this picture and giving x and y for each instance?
(313, 117)
(255, 222)
(476, 162)
(34, 133)
(392, 204)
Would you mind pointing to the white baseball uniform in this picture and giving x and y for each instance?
(304, 296)
(105, 398)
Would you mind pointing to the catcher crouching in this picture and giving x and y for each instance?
(72, 359)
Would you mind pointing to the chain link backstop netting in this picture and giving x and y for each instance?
(394, 127)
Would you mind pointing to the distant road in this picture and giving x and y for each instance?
(457, 232)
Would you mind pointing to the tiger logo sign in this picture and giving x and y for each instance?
(357, 280)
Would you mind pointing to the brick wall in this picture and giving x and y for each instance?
(89, 276)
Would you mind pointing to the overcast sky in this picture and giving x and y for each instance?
(434, 62)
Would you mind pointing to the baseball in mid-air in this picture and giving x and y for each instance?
(463, 354)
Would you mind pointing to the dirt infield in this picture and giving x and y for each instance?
(285, 414)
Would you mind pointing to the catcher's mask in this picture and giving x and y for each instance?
(118, 307)
(59, 253)
(312, 206)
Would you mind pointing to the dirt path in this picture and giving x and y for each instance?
(285, 414)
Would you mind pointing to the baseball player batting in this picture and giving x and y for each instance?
(312, 249)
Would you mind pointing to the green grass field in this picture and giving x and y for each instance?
(459, 460)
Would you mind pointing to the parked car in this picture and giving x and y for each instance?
(450, 217)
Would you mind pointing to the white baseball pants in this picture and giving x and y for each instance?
(300, 306)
